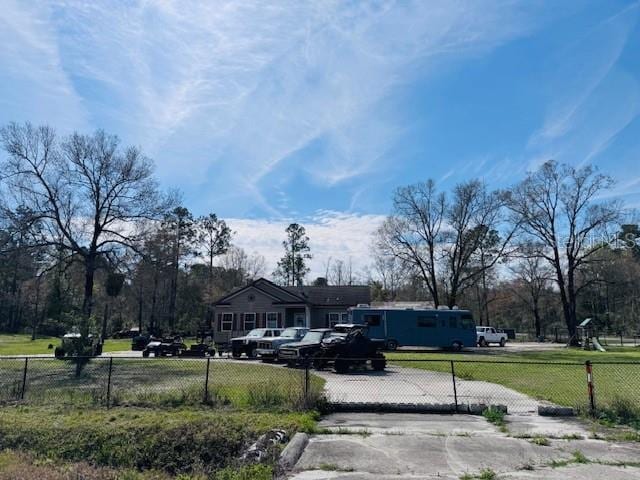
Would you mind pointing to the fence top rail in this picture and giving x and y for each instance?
(394, 360)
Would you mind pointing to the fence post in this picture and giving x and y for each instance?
(455, 390)
(109, 381)
(590, 387)
(306, 384)
(24, 378)
(206, 381)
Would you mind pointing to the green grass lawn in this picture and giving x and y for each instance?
(158, 382)
(21, 344)
(557, 376)
(136, 443)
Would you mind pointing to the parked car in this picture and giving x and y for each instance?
(268, 347)
(488, 335)
(249, 343)
(165, 347)
(354, 349)
(299, 352)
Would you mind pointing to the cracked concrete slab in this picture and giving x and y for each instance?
(577, 472)
(423, 454)
(534, 425)
(571, 472)
(409, 446)
(408, 423)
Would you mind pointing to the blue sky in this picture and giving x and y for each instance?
(316, 111)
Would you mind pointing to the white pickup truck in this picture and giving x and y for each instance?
(487, 335)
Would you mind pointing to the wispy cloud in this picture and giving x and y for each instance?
(333, 235)
(593, 99)
(35, 86)
(234, 88)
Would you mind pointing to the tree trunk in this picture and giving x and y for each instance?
(34, 323)
(572, 320)
(89, 273)
(566, 307)
(140, 305)
(105, 319)
(154, 295)
(536, 320)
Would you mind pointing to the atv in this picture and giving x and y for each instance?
(354, 349)
(199, 350)
(162, 348)
(74, 344)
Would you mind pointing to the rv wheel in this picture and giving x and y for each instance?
(392, 345)
(456, 346)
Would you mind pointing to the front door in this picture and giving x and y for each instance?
(299, 319)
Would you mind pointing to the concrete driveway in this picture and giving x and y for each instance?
(402, 385)
(413, 446)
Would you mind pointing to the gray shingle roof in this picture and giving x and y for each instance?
(333, 295)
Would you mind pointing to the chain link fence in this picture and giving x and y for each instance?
(451, 385)
(115, 381)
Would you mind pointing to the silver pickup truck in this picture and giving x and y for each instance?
(268, 347)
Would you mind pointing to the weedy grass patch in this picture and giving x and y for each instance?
(175, 441)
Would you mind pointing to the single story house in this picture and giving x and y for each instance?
(262, 303)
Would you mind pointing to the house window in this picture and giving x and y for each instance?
(226, 325)
(272, 320)
(372, 320)
(334, 319)
(249, 321)
(344, 317)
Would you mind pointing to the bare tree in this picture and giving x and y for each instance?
(558, 206)
(441, 240)
(534, 275)
(248, 267)
(337, 276)
(413, 231)
(391, 272)
(90, 196)
(471, 243)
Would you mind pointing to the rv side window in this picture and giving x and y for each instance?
(467, 321)
(427, 322)
(372, 320)
(453, 322)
